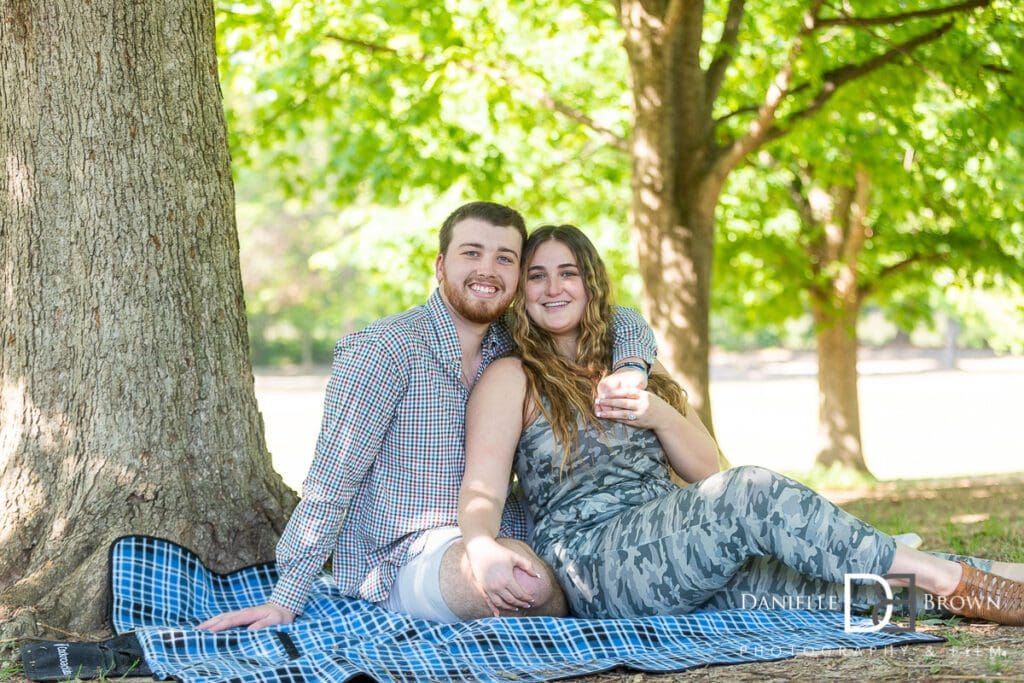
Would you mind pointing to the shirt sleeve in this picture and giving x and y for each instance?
(362, 398)
(632, 336)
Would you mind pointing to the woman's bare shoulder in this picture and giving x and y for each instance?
(507, 367)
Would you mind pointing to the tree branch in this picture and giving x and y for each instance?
(858, 230)
(810, 235)
(549, 102)
(833, 80)
(514, 82)
(888, 19)
(869, 288)
(609, 136)
(777, 91)
(372, 47)
(724, 51)
(904, 47)
(749, 109)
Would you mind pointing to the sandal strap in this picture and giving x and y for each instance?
(983, 595)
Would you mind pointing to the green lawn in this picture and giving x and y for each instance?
(973, 516)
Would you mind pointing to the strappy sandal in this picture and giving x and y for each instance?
(981, 595)
(60, 660)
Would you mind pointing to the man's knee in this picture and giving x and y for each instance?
(548, 598)
(458, 588)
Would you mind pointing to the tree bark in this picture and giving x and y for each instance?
(127, 402)
(675, 187)
(835, 230)
(839, 441)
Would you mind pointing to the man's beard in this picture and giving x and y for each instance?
(474, 310)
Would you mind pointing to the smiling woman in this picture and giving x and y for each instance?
(554, 291)
(623, 539)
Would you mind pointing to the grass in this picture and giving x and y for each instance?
(980, 517)
(832, 478)
(974, 516)
(10, 663)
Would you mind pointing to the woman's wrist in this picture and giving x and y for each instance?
(662, 413)
(477, 541)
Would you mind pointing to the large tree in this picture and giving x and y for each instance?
(126, 392)
(702, 107)
(883, 201)
(490, 97)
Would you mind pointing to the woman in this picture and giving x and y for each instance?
(622, 538)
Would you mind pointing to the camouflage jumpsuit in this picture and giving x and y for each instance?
(625, 541)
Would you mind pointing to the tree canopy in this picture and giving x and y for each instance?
(355, 108)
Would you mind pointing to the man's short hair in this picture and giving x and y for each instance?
(497, 215)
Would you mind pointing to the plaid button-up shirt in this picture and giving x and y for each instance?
(391, 451)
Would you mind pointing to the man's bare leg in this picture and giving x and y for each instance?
(462, 597)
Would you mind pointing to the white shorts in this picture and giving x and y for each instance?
(417, 587)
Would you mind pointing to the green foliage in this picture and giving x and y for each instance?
(379, 117)
(940, 137)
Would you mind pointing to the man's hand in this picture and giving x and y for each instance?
(255, 618)
(623, 381)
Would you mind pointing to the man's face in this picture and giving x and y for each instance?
(480, 271)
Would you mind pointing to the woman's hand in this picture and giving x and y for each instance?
(633, 407)
(494, 567)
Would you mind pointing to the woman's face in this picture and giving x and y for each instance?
(553, 291)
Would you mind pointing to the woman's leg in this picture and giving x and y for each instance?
(765, 582)
(740, 537)
(675, 554)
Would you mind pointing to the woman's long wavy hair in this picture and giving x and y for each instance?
(570, 385)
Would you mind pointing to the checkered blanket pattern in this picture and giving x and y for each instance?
(161, 590)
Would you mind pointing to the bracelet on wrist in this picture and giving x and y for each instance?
(632, 364)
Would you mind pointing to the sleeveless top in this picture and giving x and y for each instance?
(614, 469)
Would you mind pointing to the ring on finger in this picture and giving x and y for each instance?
(632, 417)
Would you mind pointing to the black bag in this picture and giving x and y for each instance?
(61, 660)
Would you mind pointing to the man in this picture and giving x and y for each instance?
(382, 492)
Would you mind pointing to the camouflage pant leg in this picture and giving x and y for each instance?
(766, 583)
(681, 551)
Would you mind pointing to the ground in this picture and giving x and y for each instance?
(919, 418)
(979, 516)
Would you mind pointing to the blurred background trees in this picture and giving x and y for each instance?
(863, 158)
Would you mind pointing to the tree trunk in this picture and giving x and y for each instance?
(674, 187)
(835, 230)
(127, 401)
(838, 403)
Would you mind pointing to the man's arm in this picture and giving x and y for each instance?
(633, 338)
(633, 352)
(366, 385)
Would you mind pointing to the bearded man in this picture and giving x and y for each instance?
(381, 496)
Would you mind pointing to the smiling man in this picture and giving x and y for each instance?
(381, 496)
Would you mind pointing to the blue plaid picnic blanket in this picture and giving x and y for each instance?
(161, 590)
